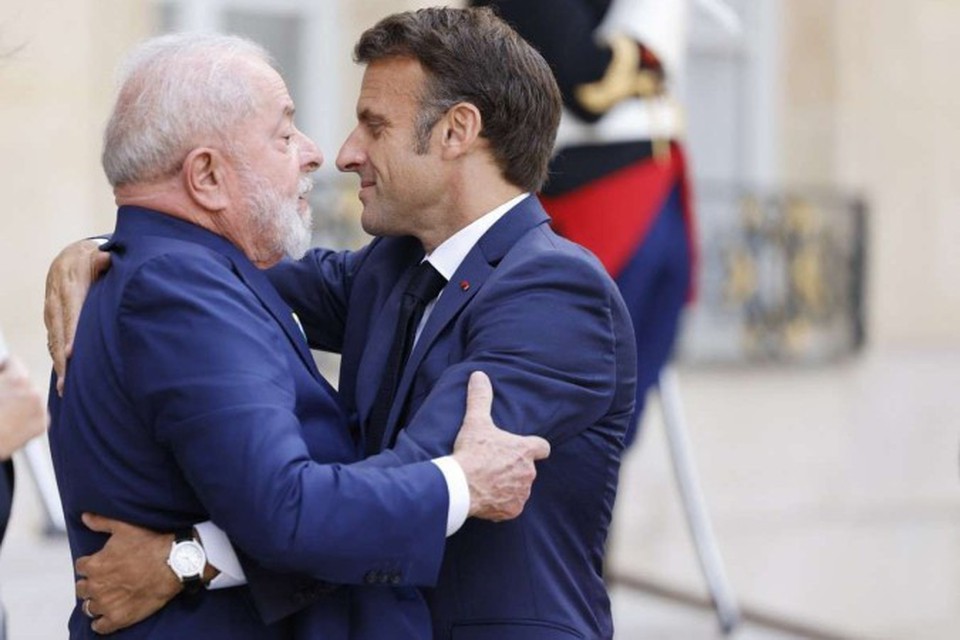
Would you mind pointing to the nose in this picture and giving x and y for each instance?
(351, 157)
(310, 157)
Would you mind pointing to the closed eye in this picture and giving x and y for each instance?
(375, 124)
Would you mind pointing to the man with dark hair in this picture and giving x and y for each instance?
(456, 119)
(535, 311)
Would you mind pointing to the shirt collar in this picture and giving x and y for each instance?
(447, 257)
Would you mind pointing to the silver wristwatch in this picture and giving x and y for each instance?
(187, 560)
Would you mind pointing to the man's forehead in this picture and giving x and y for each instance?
(389, 84)
(400, 76)
(268, 82)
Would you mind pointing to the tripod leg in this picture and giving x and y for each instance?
(698, 521)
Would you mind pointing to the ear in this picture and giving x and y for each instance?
(461, 127)
(204, 174)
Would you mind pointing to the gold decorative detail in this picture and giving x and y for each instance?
(741, 283)
(796, 335)
(623, 79)
(661, 149)
(806, 274)
(801, 219)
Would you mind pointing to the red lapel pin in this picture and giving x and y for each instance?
(464, 285)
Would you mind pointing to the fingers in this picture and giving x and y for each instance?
(87, 607)
(538, 447)
(72, 302)
(105, 625)
(479, 397)
(81, 587)
(512, 508)
(53, 320)
(82, 568)
(99, 523)
(95, 604)
(102, 622)
(99, 263)
(68, 280)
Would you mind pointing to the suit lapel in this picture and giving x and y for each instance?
(379, 342)
(473, 270)
(137, 221)
(466, 282)
(257, 282)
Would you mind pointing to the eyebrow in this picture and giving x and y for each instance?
(288, 112)
(368, 116)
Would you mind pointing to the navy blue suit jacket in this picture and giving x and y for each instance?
(6, 495)
(192, 396)
(542, 318)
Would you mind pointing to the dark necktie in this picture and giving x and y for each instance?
(424, 286)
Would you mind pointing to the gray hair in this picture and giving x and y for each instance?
(176, 92)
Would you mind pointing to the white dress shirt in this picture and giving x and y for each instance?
(446, 259)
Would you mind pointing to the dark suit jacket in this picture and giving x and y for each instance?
(541, 317)
(192, 396)
(6, 495)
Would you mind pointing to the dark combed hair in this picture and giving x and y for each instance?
(471, 55)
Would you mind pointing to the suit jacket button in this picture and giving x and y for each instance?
(395, 577)
(372, 577)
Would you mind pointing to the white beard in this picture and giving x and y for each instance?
(277, 219)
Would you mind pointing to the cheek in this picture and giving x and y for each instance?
(392, 162)
(423, 176)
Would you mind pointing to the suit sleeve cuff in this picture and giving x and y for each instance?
(220, 554)
(458, 491)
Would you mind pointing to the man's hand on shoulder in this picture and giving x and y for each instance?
(68, 280)
(499, 465)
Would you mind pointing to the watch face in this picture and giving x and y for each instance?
(187, 559)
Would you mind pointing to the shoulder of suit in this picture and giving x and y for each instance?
(145, 248)
(555, 254)
(182, 260)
